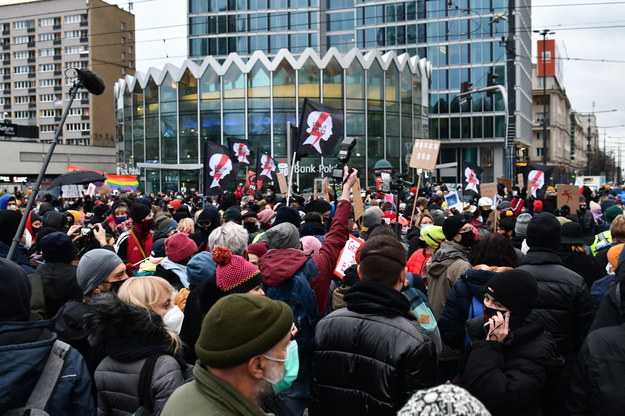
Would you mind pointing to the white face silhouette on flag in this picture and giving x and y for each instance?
(319, 128)
(268, 166)
(471, 180)
(220, 165)
(536, 179)
(241, 151)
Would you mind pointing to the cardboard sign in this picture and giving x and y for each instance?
(282, 183)
(326, 187)
(489, 190)
(568, 195)
(357, 197)
(453, 200)
(348, 255)
(520, 181)
(425, 154)
(507, 183)
(71, 191)
(91, 189)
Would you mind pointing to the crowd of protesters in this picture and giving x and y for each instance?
(176, 304)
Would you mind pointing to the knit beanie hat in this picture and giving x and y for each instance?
(15, 293)
(318, 205)
(233, 214)
(432, 235)
(94, 267)
(438, 217)
(266, 215)
(200, 267)
(520, 228)
(538, 205)
(443, 400)
(372, 216)
(138, 212)
(179, 247)
(9, 221)
(452, 226)
(594, 207)
(158, 248)
(515, 289)
(614, 253)
(612, 212)
(145, 201)
(239, 327)
(310, 245)
(57, 247)
(258, 249)
(234, 273)
(543, 230)
(165, 224)
(283, 235)
(287, 214)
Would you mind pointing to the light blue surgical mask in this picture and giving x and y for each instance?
(291, 368)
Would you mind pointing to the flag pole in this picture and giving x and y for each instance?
(414, 204)
(292, 168)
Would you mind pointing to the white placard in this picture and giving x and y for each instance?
(72, 191)
(453, 200)
(348, 255)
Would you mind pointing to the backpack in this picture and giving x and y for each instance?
(475, 310)
(298, 294)
(40, 397)
(420, 307)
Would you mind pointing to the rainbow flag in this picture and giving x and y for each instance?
(123, 182)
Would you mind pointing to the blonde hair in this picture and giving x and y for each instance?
(186, 225)
(148, 292)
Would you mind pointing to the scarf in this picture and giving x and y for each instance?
(140, 243)
(178, 269)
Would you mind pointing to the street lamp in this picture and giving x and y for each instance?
(544, 34)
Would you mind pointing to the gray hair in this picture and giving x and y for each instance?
(231, 235)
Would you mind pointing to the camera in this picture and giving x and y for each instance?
(86, 230)
(345, 153)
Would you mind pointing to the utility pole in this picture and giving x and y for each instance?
(544, 34)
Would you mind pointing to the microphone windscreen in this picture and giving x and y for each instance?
(91, 82)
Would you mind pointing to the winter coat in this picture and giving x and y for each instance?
(456, 311)
(513, 377)
(564, 304)
(416, 263)
(59, 285)
(582, 264)
(208, 395)
(610, 313)
(69, 328)
(370, 356)
(443, 270)
(596, 388)
(24, 349)
(129, 335)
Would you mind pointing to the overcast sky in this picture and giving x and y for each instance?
(587, 32)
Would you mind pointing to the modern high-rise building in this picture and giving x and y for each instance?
(39, 41)
(469, 42)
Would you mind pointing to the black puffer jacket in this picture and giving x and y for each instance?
(369, 357)
(564, 304)
(129, 335)
(597, 387)
(59, 285)
(582, 264)
(513, 377)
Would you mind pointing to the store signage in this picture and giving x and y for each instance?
(313, 168)
(128, 171)
(13, 179)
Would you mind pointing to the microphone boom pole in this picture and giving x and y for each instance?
(46, 162)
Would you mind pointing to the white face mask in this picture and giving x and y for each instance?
(173, 319)
(12, 207)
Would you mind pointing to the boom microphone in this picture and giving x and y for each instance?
(90, 81)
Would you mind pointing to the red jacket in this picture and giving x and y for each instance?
(417, 261)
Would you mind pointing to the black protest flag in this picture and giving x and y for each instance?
(242, 149)
(536, 179)
(320, 128)
(266, 169)
(220, 167)
(472, 176)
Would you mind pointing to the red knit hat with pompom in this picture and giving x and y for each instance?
(234, 273)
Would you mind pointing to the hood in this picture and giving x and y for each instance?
(476, 280)
(541, 256)
(445, 255)
(110, 319)
(312, 228)
(69, 322)
(279, 265)
(54, 220)
(4, 200)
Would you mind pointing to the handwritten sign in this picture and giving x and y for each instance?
(568, 195)
(507, 183)
(71, 191)
(520, 181)
(488, 190)
(424, 154)
(348, 255)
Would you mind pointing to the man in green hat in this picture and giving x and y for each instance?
(242, 357)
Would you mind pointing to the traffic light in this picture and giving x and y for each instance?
(466, 87)
(492, 80)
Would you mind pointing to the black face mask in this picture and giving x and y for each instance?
(250, 226)
(468, 239)
(485, 214)
(116, 285)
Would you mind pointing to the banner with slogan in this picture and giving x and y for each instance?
(122, 182)
(424, 154)
(348, 255)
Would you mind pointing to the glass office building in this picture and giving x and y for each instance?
(465, 40)
(164, 116)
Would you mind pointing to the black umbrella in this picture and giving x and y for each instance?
(77, 177)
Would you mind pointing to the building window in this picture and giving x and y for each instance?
(50, 113)
(49, 67)
(24, 114)
(46, 52)
(76, 64)
(24, 24)
(123, 56)
(129, 35)
(131, 50)
(77, 127)
(49, 98)
(19, 85)
(24, 99)
(122, 40)
(122, 26)
(46, 36)
(49, 83)
(49, 21)
(18, 40)
(74, 18)
(47, 128)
